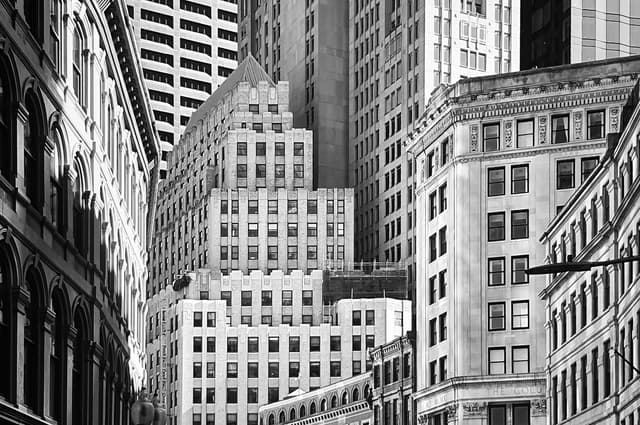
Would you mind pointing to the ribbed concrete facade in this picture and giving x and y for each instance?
(497, 158)
(221, 347)
(399, 53)
(187, 49)
(594, 314)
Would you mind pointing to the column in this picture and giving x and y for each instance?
(21, 121)
(22, 301)
(71, 401)
(49, 321)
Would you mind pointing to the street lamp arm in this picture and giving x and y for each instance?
(581, 266)
(627, 361)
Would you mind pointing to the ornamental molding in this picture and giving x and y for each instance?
(518, 153)
(474, 409)
(577, 125)
(539, 407)
(613, 119)
(508, 130)
(452, 412)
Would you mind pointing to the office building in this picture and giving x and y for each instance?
(344, 402)
(306, 44)
(238, 195)
(392, 383)
(497, 158)
(399, 53)
(593, 317)
(77, 145)
(563, 32)
(187, 49)
(222, 346)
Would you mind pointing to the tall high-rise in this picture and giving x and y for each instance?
(562, 32)
(187, 49)
(399, 52)
(238, 194)
(306, 44)
(499, 157)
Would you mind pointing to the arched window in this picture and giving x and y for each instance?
(6, 324)
(57, 372)
(7, 142)
(356, 395)
(78, 65)
(303, 411)
(57, 194)
(334, 402)
(272, 419)
(79, 371)
(345, 398)
(32, 343)
(108, 133)
(292, 414)
(282, 418)
(323, 405)
(78, 212)
(312, 408)
(33, 16)
(33, 152)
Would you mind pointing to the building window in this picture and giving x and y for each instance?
(232, 396)
(335, 369)
(520, 314)
(356, 318)
(232, 344)
(314, 369)
(78, 65)
(279, 149)
(356, 343)
(274, 344)
(232, 370)
(560, 129)
(491, 137)
(211, 369)
(266, 298)
(370, 317)
(197, 344)
(519, 179)
(595, 125)
(245, 298)
(287, 298)
(525, 133)
(519, 264)
(520, 412)
(497, 316)
(294, 344)
(197, 319)
(274, 369)
(442, 191)
(520, 224)
(307, 298)
(211, 344)
(565, 174)
(497, 414)
(587, 166)
(496, 181)
(520, 359)
(433, 248)
(497, 361)
(496, 271)
(496, 226)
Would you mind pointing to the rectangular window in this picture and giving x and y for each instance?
(335, 369)
(519, 264)
(294, 344)
(595, 125)
(519, 179)
(560, 129)
(266, 298)
(261, 149)
(245, 298)
(587, 165)
(211, 344)
(565, 174)
(197, 344)
(356, 343)
(274, 344)
(232, 370)
(272, 206)
(232, 344)
(520, 224)
(496, 181)
(356, 318)
(232, 396)
(491, 137)
(370, 317)
(252, 395)
(252, 343)
(314, 369)
(211, 370)
(294, 369)
(273, 370)
(520, 314)
(307, 298)
(496, 271)
(525, 133)
(497, 361)
(314, 343)
(497, 316)
(287, 298)
(197, 319)
(496, 226)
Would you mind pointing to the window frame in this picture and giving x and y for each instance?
(490, 273)
(514, 316)
(515, 180)
(496, 184)
(495, 138)
(490, 317)
(517, 227)
(565, 131)
(559, 175)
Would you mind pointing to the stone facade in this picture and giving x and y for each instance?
(483, 201)
(77, 192)
(344, 402)
(593, 317)
(187, 49)
(261, 337)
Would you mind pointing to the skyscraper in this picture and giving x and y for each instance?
(562, 32)
(399, 53)
(187, 49)
(306, 44)
(238, 195)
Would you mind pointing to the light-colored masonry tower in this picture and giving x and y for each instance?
(239, 195)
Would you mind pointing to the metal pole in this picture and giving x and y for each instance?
(626, 360)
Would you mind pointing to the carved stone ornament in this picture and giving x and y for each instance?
(614, 120)
(452, 412)
(508, 129)
(542, 130)
(577, 121)
(539, 407)
(474, 139)
(474, 409)
(423, 419)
